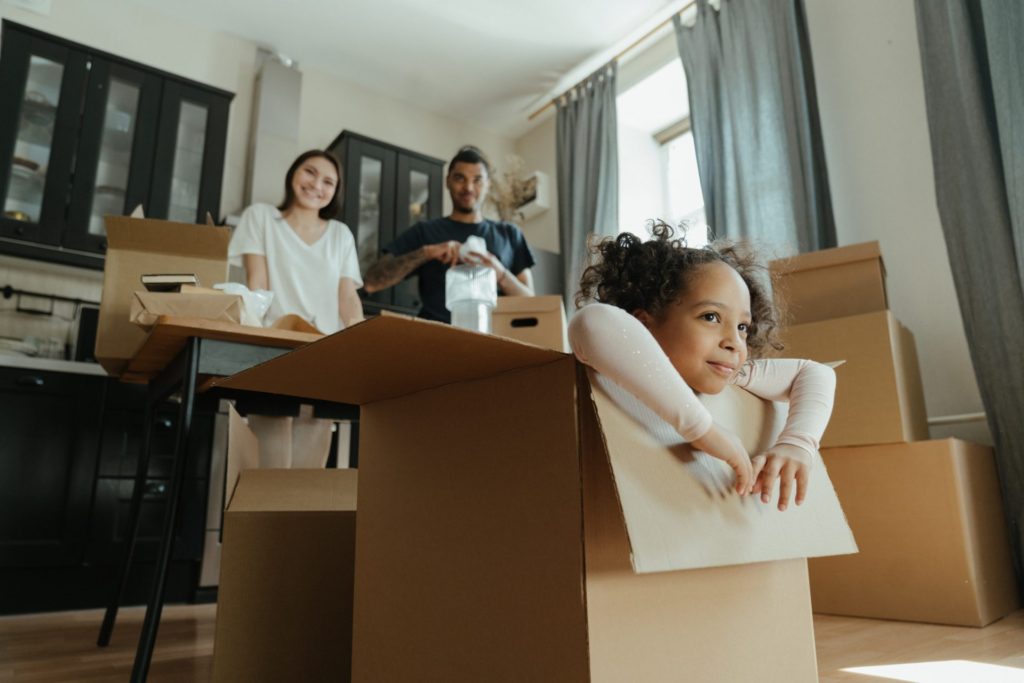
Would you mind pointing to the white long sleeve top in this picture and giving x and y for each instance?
(617, 345)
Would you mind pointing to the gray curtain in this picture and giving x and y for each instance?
(973, 65)
(587, 156)
(754, 115)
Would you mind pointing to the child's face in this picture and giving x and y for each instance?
(704, 334)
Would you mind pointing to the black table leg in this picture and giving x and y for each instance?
(135, 511)
(147, 639)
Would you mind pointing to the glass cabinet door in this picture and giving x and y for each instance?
(419, 199)
(190, 150)
(115, 154)
(368, 202)
(42, 91)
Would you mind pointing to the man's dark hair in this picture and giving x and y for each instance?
(469, 155)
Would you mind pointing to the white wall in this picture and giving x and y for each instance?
(537, 150)
(871, 97)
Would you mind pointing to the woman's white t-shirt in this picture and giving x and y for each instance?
(303, 277)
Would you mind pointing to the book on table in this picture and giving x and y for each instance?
(168, 282)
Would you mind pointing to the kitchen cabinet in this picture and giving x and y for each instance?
(386, 190)
(86, 134)
(67, 465)
(50, 425)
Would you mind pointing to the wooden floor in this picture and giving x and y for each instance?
(61, 648)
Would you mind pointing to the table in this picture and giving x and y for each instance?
(180, 355)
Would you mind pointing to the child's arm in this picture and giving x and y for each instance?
(810, 389)
(617, 345)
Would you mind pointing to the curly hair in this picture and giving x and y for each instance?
(650, 276)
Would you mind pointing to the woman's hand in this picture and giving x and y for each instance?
(787, 464)
(720, 443)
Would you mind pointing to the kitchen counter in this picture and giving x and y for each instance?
(11, 360)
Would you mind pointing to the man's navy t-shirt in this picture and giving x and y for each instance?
(504, 240)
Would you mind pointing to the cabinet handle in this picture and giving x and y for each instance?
(30, 381)
(164, 422)
(20, 230)
(155, 488)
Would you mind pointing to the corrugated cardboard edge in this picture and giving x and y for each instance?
(821, 517)
(829, 257)
(908, 379)
(985, 532)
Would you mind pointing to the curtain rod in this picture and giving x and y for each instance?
(618, 56)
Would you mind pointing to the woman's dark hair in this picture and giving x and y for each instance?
(329, 211)
(650, 276)
(469, 155)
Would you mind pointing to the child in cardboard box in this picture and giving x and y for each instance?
(669, 320)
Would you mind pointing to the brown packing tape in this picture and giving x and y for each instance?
(147, 307)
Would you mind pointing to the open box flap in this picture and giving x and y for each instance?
(678, 505)
(387, 357)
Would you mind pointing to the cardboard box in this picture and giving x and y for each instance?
(929, 520)
(536, 320)
(147, 307)
(518, 522)
(284, 605)
(146, 245)
(879, 397)
(831, 283)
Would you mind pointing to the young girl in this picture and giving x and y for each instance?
(671, 320)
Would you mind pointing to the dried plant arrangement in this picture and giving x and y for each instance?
(511, 189)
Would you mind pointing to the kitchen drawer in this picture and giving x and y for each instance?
(112, 510)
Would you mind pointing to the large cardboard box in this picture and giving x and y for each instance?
(929, 521)
(831, 283)
(284, 604)
(136, 246)
(521, 520)
(879, 397)
(536, 320)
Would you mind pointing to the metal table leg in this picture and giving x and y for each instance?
(117, 596)
(147, 639)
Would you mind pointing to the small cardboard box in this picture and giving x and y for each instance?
(879, 397)
(536, 320)
(929, 521)
(522, 520)
(831, 283)
(284, 605)
(145, 245)
(147, 307)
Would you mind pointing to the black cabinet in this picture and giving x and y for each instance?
(68, 455)
(85, 134)
(387, 189)
(50, 426)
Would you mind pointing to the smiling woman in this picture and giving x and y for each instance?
(308, 260)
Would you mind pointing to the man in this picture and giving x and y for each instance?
(429, 248)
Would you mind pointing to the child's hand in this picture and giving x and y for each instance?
(786, 463)
(722, 444)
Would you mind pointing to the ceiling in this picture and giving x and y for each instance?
(488, 62)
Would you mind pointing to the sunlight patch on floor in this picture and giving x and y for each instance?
(953, 671)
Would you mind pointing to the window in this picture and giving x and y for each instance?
(657, 163)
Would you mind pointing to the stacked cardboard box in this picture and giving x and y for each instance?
(927, 515)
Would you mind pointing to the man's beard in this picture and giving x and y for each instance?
(464, 208)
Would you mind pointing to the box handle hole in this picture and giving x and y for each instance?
(524, 322)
